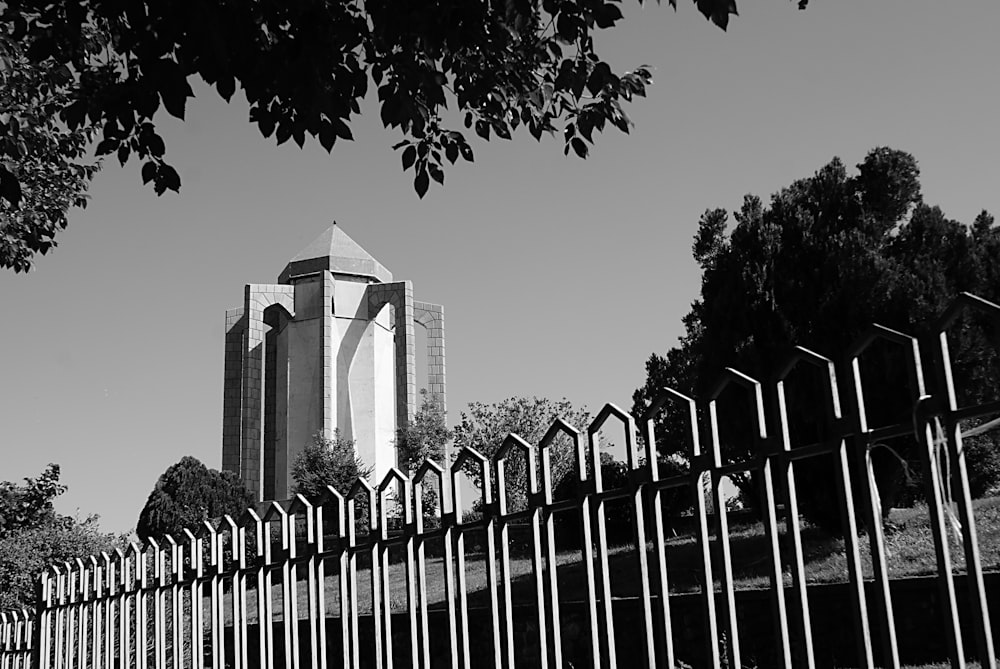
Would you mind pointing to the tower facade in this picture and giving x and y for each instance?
(330, 346)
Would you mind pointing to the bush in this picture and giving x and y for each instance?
(326, 462)
(187, 494)
(485, 426)
(26, 553)
(30, 505)
(33, 537)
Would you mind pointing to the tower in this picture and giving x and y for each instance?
(329, 347)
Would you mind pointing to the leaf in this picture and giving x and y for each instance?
(483, 129)
(599, 77)
(420, 183)
(568, 26)
(174, 92)
(579, 147)
(148, 171)
(409, 156)
(606, 15)
(284, 131)
(10, 187)
(154, 144)
(166, 179)
(436, 173)
(40, 49)
(466, 151)
(226, 87)
(326, 136)
(341, 129)
(451, 152)
(266, 124)
(717, 11)
(106, 146)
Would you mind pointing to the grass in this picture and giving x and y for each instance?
(908, 542)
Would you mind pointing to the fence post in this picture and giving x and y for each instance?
(36, 633)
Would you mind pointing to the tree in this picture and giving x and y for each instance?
(829, 255)
(425, 437)
(484, 427)
(328, 462)
(33, 536)
(303, 68)
(25, 554)
(29, 506)
(42, 168)
(187, 494)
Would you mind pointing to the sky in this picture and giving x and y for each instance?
(559, 277)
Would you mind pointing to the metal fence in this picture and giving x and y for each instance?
(324, 583)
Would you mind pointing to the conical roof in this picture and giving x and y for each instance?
(335, 251)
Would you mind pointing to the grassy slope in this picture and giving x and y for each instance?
(909, 548)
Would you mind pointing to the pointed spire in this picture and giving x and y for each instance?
(333, 250)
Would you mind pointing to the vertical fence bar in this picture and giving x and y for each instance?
(833, 416)
(721, 521)
(936, 510)
(176, 633)
(44, 631)
(505, 615)
(793, 530)
(549, 582)
(607, 651)
(428, 467)
(636, 487)
(489, 510)
(302, 511)
(70, 604)
(96, 611)
(208, 533)
(83, 629)
(238, 587)
(659, 536)
(109, 610)
(980, 613)
(869, 489)
(290, 605)
(450, 540)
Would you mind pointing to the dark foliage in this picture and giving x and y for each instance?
(484, 427)
(43, 164)
(425, 437)
(328, 462)
(29, 506)
(303, 67)
(33, 536)
(829, 255)
(187, 494)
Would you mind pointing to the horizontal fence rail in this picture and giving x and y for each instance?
(344, 580)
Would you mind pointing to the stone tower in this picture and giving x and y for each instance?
(329, 347)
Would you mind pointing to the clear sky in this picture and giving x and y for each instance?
(559, 276)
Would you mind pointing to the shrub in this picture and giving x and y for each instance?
(187, 494)
(326, 462)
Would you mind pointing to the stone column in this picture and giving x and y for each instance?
(431, 317)
(232, 391)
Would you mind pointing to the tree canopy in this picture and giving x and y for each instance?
(829, 255)
(104, 69)
(30, 505)
(33, 536)
(425, 436)
(328, 462)
(187, 494)
(484, 427)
